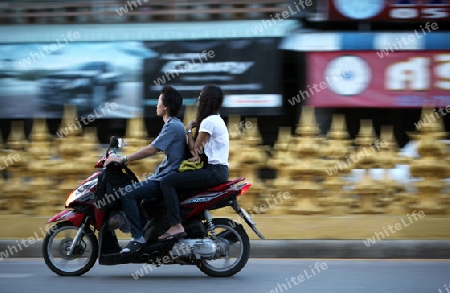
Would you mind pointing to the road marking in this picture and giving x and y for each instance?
(15, 275)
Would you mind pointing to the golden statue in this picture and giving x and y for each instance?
(336, 151)
(367, 192)
(306, 167)
(429, 167)
(16, 161)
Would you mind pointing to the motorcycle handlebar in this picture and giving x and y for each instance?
(114, 144)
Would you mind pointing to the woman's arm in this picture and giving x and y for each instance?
(190, 136)
(200, 142)
(191, 141)
(196, 146)
(199, 146)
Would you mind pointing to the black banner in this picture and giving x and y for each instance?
(247, 70)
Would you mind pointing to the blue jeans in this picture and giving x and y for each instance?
(207, 177)
(147, 189)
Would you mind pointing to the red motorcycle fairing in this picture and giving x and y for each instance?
(88, 185)
(226, 184)
(76, 218)
(205, 200)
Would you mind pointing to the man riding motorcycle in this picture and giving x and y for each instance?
(172, 141)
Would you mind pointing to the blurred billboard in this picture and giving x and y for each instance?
(37, 82)
(389, 10)
(378, 79)
(248, 71)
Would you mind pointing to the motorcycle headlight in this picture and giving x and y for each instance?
(80, 190)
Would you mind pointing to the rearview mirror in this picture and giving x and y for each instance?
(121, 143)
(113, 142)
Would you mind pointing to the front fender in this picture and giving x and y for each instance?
(76, 218)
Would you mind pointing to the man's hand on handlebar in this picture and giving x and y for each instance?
(110, 159)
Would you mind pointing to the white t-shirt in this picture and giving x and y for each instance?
(218, 145)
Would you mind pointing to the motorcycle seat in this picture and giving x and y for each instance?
(185, 193)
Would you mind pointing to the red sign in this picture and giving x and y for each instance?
(364, 79)
(389, 10)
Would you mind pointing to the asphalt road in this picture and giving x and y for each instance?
(343, 276)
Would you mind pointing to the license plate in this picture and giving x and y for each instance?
(247, 216)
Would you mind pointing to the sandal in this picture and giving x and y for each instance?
(167, 236)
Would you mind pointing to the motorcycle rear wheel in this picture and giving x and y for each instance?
(56, 244)
(237, 254)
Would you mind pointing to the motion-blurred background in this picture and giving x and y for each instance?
(314, 88)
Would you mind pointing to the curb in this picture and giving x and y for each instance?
(385, 249)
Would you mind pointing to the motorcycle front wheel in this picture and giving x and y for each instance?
(57, 243)
(234, 246)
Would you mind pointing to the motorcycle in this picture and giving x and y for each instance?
(219, 247)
